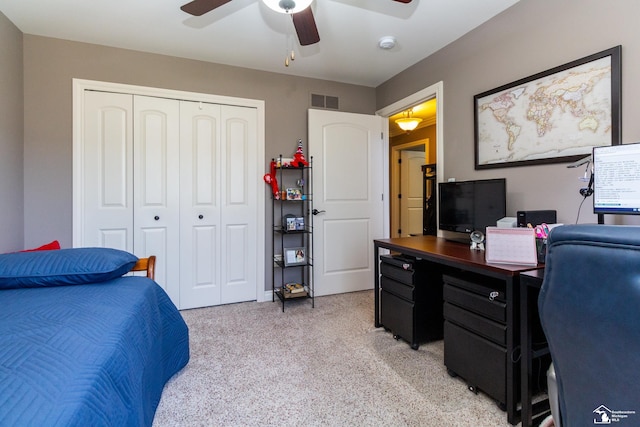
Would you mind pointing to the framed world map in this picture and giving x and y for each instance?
(555, 116)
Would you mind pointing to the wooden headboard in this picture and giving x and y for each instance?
(148, 265)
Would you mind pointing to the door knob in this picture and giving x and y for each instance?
(316, 211)
(156, 217)
(200, 216)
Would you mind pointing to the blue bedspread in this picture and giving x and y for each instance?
(88, 355)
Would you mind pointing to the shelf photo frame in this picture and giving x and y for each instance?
(295, 256)
(293, 223)
(294, 194)
(556, 116)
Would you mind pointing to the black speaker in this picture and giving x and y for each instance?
(536, 217)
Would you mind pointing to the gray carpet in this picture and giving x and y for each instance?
(252, 365)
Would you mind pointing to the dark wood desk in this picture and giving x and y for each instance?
(459, 256)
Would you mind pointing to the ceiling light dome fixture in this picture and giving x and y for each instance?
(288, 6)
(408, 123)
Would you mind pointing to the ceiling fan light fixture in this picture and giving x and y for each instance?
(287, 6)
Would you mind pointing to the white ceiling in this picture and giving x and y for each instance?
(246, 33)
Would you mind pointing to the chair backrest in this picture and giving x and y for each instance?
(589, 307)
(148, 265)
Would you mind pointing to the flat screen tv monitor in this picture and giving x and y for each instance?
(616, 179)
(466, 206)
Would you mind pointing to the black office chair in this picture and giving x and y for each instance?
(589, 307)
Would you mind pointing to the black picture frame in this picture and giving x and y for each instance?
(527, 112)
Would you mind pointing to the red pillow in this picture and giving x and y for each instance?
(48, 247)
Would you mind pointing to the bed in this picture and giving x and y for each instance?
(82, 342)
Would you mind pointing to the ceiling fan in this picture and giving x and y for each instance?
(300, 11)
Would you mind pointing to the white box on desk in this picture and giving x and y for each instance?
(507, 222)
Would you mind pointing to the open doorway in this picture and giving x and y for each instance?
(436, 92)
(413, 160)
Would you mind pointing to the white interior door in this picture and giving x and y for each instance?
(411, 191)
(156, 168)
(107, 178)
(240, 204)
(199, 204)
(347, 152)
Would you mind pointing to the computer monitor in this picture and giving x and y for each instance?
(466, 206)
(616, 179)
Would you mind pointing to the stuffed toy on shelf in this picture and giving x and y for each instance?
(298, 158)
(270, 178)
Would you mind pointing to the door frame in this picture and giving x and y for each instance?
(434, 91)
(395, 182)
(79, 86)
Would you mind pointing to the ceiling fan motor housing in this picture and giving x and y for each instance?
(290, 7)
(287, 4)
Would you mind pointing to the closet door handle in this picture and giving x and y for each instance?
(200, 216)
(156, 217)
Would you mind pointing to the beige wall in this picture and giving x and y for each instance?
(530, 37)
(11, 125)
(51, 64)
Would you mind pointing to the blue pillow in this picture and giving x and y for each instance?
(63, 267)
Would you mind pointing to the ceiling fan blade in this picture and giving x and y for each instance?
(306, 27)
(200, 7)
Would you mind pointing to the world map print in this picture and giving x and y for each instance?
(561, 114)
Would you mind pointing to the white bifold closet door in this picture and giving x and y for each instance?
(218, 205)
(156, 187)
(175, 179)
(107, 171)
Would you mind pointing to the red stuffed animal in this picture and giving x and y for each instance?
(270, 178)
(298, 158)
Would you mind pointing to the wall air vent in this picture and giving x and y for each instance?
(331, 102)
(317, 100)
(325, 101)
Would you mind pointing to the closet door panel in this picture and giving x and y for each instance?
(107, 171)
(117, 238)
(199, 204)
(239, 203)
(156, 187)
(237, 242)
(155, 240)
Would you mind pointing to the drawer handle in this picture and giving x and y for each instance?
(493, 295)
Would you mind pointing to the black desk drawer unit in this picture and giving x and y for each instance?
(475, 333)
(411, 299)
(400, 289)
(480, 362)
(494, 331)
